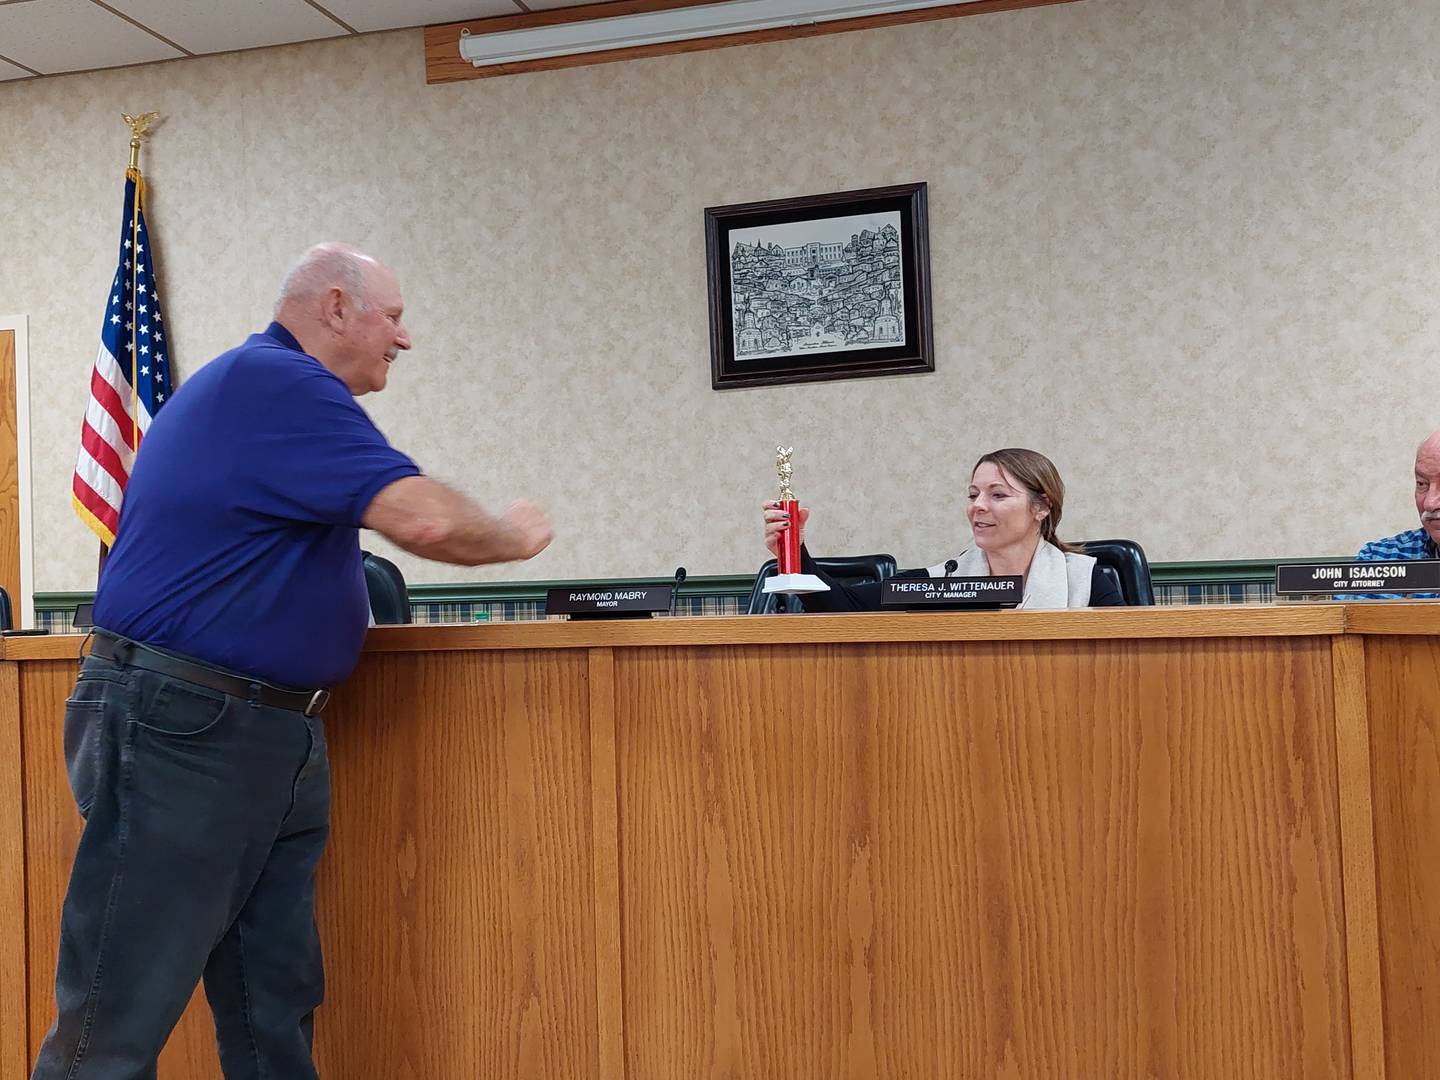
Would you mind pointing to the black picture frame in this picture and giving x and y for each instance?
(843, 306)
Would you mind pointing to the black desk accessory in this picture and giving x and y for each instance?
(1377, 576)
(614, 601)
(951, 593)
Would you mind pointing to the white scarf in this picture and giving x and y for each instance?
(1055, 579)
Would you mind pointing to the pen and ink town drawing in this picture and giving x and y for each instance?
(817, 287)
(824, 285)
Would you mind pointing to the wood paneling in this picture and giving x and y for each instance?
(1015, 860)
(461, 943)
(14, 1037)
(443, 62)
(9, 476)
(605, 825)
(456, 897)
(1402, 674)
(1357, 839)
(1123, 844)
(52, 829)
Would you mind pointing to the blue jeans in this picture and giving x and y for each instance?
(205, 815)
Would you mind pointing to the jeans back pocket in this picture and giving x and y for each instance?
(84, 731)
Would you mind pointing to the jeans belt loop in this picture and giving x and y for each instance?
(124, 650)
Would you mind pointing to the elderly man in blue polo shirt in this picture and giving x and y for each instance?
(233, 599)
(1418, 543)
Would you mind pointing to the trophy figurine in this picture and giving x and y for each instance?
(788, 578)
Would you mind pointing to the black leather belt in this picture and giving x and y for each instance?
(124, 651)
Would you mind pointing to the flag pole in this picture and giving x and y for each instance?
(139, 128)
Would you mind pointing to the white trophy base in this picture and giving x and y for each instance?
(795, 584)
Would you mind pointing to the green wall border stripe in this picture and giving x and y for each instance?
(61, 601)
(1223, 572)
(1230, 572)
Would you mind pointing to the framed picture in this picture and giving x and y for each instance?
(822, 287)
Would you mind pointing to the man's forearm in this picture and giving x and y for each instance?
(429, 519)
(469, 536)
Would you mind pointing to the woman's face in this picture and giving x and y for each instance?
(1001, 512)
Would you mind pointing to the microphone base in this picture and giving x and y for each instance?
(795, 584)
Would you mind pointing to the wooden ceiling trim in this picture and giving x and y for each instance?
(606, 9)
(444, 64)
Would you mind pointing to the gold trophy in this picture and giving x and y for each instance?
(788, 577)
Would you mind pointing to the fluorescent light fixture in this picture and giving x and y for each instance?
(676, 24)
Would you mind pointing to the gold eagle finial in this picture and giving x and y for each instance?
(139, 127)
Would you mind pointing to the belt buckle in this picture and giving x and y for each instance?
(318, 700)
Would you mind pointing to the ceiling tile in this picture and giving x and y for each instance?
(211, 28)
(10, 71)
(74, 35)
(388, 15)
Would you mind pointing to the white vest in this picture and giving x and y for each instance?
(1056, 579)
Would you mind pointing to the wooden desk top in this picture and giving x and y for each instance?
(1419, 617)
(1235, 620)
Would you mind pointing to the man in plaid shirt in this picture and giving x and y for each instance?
(1418, 543)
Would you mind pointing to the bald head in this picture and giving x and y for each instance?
(344, 308)
(323, 267)
(1430, 448)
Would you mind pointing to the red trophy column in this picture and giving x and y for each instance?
(788, 578)
(789, 558)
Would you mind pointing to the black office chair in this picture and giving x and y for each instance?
(389, 599)
(7, 616)
(851, 570)
(1123, 562)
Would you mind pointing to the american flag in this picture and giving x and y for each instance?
(131, 379)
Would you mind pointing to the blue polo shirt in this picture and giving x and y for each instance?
(239, 534)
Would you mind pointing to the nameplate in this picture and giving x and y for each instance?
(618, 602)
(1306, 579)
(920, 594)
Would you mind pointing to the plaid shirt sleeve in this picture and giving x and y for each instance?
(1414, 544)
(1405, 546)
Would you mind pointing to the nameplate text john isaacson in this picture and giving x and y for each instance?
(1308, 579)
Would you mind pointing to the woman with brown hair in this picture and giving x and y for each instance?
(1015, 501)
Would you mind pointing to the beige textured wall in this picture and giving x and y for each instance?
(1187, 247)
